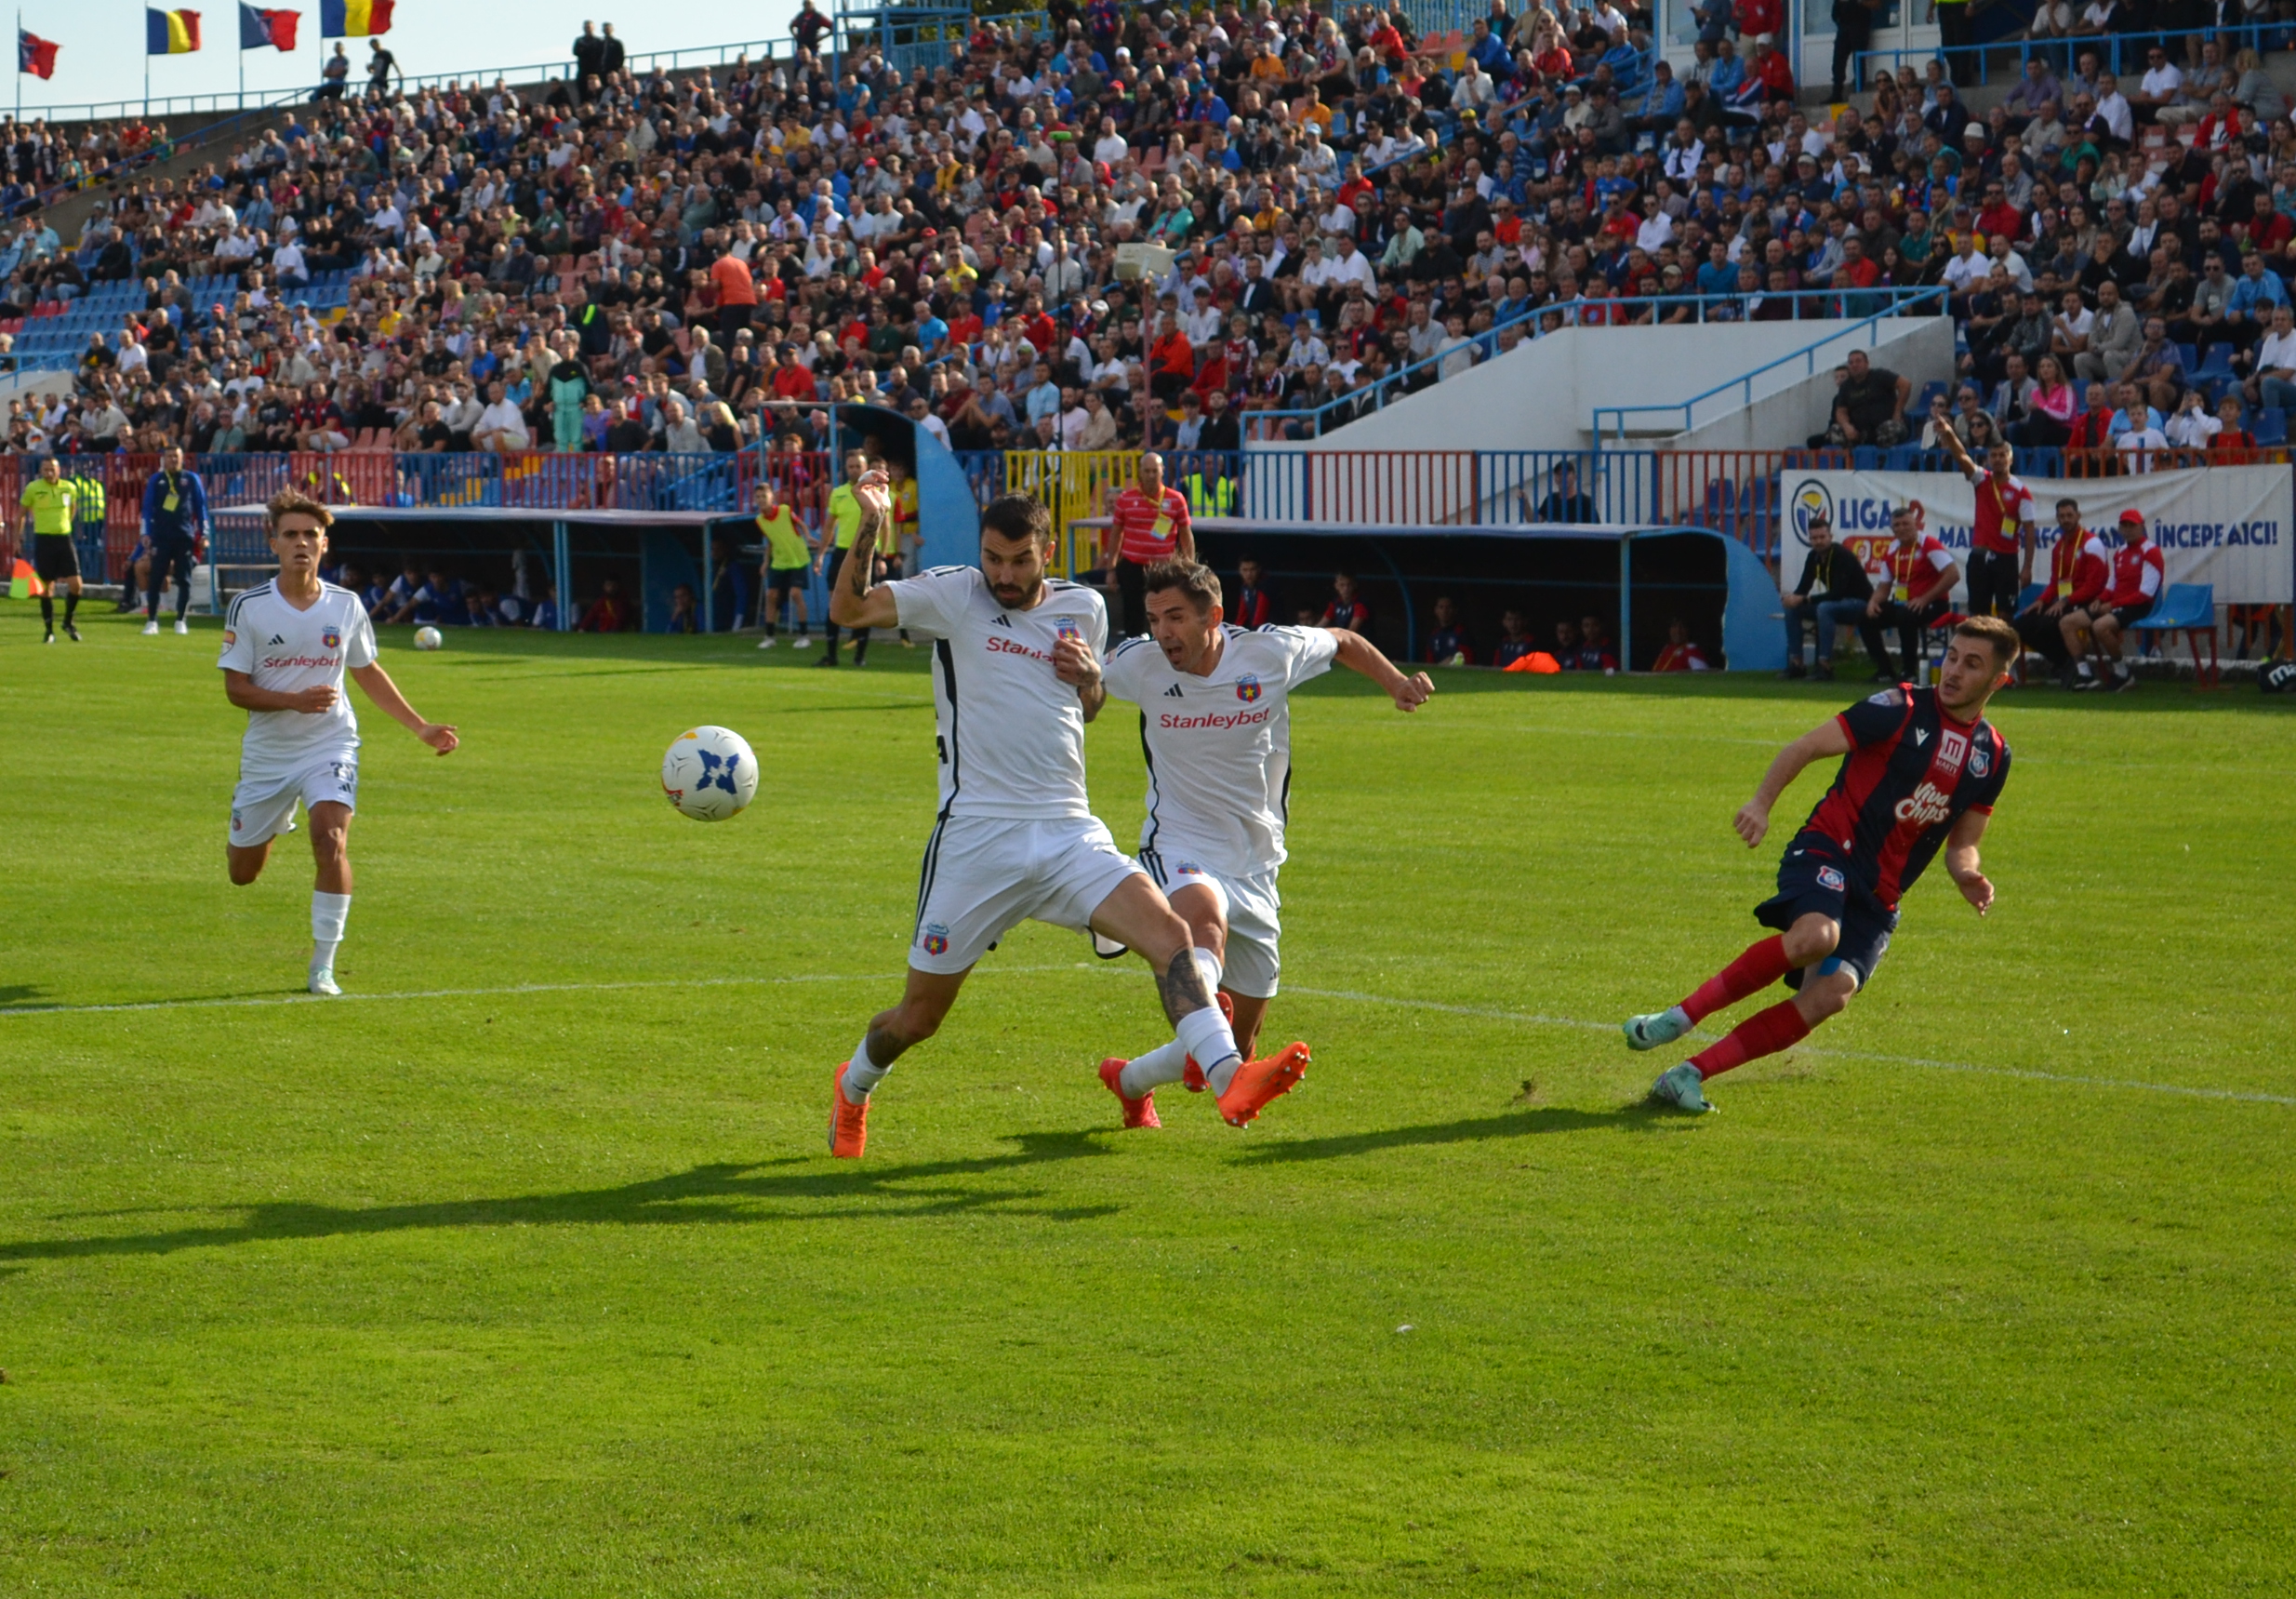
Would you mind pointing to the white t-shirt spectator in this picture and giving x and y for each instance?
(2278, 350)
(2193, 429)
(1110, 149)
(502, 417)
(2138, 444)
(2162, 83)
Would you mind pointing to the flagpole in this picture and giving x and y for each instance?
(243, 74)
(19, 67)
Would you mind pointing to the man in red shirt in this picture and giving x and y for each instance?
(737, 295)
(2079, 567)
(1152, 525)
(2139, 572)
(2002, 540)
(1922, 573)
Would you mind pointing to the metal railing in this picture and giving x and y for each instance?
(1807, 304)
(2111, 49)
(1900, 302)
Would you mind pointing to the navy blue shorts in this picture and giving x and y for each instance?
(1814, 876)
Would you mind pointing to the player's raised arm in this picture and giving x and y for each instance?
(1962, 859)
(391, 704)
(1825, 739)
(854, 600)
(1359, 654)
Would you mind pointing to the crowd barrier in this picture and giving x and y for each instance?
(1743, 493)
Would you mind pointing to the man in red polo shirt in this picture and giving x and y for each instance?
(1152, 525)
(2139, 572)
(2003, 538)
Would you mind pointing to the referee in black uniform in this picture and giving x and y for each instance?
(174, 520)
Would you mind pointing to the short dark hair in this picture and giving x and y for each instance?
(1995, 632)
(295, 502)
(2068, 501)
(1017, 516)
(1194, 580)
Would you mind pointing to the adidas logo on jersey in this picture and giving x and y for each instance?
(1174, 693)
(275, 639)
(998, 619)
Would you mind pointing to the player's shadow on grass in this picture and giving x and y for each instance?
(722, 1195)
(19, 993)
(1471, 1129)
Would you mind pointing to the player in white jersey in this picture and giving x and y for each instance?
(1216, 727)
(1015, 676)
(286, 645)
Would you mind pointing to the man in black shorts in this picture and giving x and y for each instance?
(50, 508)
(1921, 770)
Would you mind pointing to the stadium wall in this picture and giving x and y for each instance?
(1542, 395)
(1803, 407)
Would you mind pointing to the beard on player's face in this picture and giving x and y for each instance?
(1014, 569)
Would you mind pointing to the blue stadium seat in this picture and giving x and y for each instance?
(2188, 608)
(2189, 356)
(2270, 425)
(1929, 392)
(2217, 363)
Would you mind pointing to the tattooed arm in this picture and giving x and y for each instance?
(854, 600)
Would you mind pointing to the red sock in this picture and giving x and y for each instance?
(1764, 1032)
(1762, 964)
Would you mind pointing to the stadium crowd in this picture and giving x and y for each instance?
(1152, 228)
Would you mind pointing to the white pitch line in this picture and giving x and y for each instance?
(245, 1002)
(1481, 1013)
(1525, 1017)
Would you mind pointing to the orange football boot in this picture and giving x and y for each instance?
(1257, 1081)
(848, 1122)
(1140, 1113)
(1192, 1075)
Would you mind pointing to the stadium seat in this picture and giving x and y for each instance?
(2188, 355)
(2270, 425)
(1904, 457)
(2188, 608)
(1930, 391)
(2216, 363)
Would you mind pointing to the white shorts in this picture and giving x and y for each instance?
(264, 805)
(1249, 904)
(984, 875)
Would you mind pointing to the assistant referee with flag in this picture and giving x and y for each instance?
(174, 520)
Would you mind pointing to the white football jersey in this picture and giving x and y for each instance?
(1219, 747)
(281, 647)
(1011, 733)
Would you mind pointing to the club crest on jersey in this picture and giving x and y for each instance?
(1980, 762)
(1831, 877)
(936, 938)
(1065, 627)
(1189, 869)
(1247, 688)
(330, 638)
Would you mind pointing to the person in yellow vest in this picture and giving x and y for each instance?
(50, 511)
(88, 508)
(906, 551)
(788, 563)
(845, 522)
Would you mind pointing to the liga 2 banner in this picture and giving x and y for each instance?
(2225, 526)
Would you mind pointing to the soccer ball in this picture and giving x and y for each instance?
(710, 774)
(428, 638)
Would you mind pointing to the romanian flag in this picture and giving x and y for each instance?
(260, 28)
(34, 55)
(353, 19)
(170, 33)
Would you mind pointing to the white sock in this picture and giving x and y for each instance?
(862, 1073)
(1206, 1035)
(1165, 1063)
(1209, 964)
(329, 913)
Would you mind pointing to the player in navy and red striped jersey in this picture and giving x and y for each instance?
(1922, 770)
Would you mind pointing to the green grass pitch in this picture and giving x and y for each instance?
(523, 1270)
